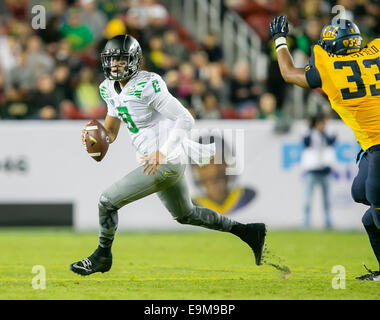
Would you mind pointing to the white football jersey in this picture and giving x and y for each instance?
(135, 106)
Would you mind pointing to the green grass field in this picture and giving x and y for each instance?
(186, 265)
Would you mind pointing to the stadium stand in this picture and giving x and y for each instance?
(53, 73)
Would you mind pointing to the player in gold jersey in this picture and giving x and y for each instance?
(350, 77)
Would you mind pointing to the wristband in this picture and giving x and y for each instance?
(280, 42)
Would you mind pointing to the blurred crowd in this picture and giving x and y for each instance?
(306, 20)
(54, 72)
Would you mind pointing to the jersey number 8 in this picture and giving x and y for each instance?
(124, 114)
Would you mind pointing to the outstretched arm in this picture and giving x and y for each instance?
(279, 30)
(289, 72)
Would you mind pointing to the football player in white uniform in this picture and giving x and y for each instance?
(157, 122)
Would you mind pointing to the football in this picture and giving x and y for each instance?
(97, 140)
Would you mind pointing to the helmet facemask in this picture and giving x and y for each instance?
(124, 65)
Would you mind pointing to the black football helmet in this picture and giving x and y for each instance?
(122, 51)
(340, 37)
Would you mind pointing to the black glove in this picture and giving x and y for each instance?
(279, 27)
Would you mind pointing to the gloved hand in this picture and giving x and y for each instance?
(279, 27)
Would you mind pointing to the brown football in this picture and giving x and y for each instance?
(97, 140)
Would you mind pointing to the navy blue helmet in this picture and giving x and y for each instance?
(340, 37)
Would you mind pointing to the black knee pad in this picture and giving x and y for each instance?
(106, 204)
(371, 220)
(367, 219)
(186, 218)
(358, 192)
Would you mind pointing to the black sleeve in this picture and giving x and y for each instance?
(312, 74)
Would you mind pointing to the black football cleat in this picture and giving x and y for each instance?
(371, 276)
(254, 235)
(92, 264)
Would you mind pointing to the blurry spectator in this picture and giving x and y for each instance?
(314, 7)
(109, 7)
(217, 84)
(172, 81)
(186, 76)
(135, 23)
(368, 28)
(200, 61)
(64, 55)
(155, 11)
(87, 96)
(243, 91)
(16, 105)
(317, 159)
(51, 34)
(156, 60)
(55, 18)
(62, 82)
(310, 37)
(199, 89)
(45, 100)
(211, 46)
(173, 47)
(93, 18)
(131, 21)
(48, 4)
(150, 16)
(8, 50)
(372, 10)
(293, 14)
(65, 93)
(22, 75)
(21, 30)
(38, 60)
(368, 14)
(113, 28)
(349, 6)
(75, 32)
(18, 8)
(157, 18)
(146, 11)
(268, 107)
(210, 108)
